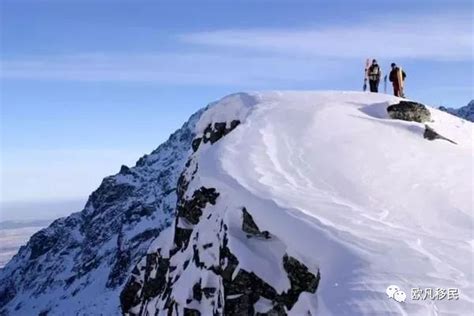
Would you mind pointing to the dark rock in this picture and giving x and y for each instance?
(191, 210)
(129, 296)
(206, 246)
(146, 235)
(182, 186)
(249, 226)
(197, 292)
(7, 293)
(276, 310)
(89, 266)
(153, 286)
(136, 212)
(431, 134)
(42, 242)
(69, 281)
(234, 124)
(196, 259)
(44, 312)
(124, 170)
(209, 291)
(191, 312)
(181, 238)
(301, 280)
(142, 161)
(409, 111)
(109, 192)
(213, 133)
(135, 271)
(239, 305)
(169, 304)
(250, 284)
(196, 143)
(118, 274)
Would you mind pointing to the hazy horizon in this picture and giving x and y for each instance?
(23, 211)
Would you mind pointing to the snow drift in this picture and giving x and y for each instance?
(307, 203)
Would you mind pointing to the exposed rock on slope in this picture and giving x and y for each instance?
(431, 134)
(198, 256)
(409, 111)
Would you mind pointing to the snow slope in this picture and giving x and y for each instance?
(347, 191)
(370, 200)
(284, 202)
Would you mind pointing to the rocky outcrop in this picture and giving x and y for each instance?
(416, 112)
(213, 133)
(409, 111)
(431, 134)
(249, 226)
(199, 258)
(235, 291)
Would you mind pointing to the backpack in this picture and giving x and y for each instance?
(374, 72)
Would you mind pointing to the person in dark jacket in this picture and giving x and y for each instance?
(374, 73)
(394, 79)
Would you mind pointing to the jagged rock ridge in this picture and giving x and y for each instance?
(87, 257)
(466, 112)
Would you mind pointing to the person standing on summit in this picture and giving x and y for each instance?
(374, 73)
(397, 78)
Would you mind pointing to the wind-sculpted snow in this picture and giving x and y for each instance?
(79, 264)
(361, 201)
(299, 203)
(216, 260)
(367, 198)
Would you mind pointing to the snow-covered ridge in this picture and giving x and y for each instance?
(233, 107)
(357, 200)
(276, 202)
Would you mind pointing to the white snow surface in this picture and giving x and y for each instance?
(338, 184)
(364, 198)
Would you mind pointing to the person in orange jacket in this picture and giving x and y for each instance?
(397, 78)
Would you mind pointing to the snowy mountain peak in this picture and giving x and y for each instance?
(268, 203)
(466, 112)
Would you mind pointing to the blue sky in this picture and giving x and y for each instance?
(89, 85)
